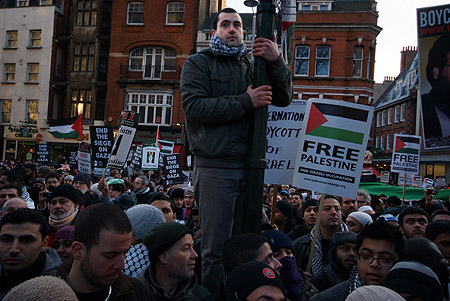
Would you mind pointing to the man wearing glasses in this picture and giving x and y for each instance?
(378, 247)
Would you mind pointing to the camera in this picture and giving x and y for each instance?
(46, 194)
(431, 191)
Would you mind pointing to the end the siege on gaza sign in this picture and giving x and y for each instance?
(332, 147)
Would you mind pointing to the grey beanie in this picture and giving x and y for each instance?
(374, 293)
(362, 217)
(42, 288)
(144, 218)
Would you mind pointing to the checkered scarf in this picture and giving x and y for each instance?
(218, 46)
(354, 282)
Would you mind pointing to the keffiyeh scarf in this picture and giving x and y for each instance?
(218, 46)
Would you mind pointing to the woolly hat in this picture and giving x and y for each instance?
(68, 177)
(343, 237)
(65, 233)
(189, 191)
(415, 279)
(286, 209)
(42, 288)
(361, 217)
(278, 240)
(308, 203)
(83, 177)
(388, 217)
(249, 276)
(366, 208)
(94, 189)
(115, 181)
(176, 193)
(67, 191)
(374, 293)
(144, 218)
(162, 237)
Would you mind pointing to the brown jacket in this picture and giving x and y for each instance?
(124, 288)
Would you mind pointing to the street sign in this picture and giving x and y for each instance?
(332, 147)
(150, 158)
(405, 157)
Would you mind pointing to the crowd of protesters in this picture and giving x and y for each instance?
(66, 235)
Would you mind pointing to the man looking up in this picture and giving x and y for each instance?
(413, 221)
(218, 101)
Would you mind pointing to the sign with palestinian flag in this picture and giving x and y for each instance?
(67, 128)
(332, 147)
(405, 157)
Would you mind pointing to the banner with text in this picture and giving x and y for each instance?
(332, 147)
(124, 139)
(42, 154)
(405, 157)
(172, 171)
(150, 157)
(84, 158)
(101, 141)
(136, 156)
(283, 130)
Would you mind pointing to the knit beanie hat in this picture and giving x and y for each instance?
(189, 191)
(177, 193)
(68, 177)
(67, 191)
(286, 209)
(144, 218)
(307, 203)
(415, 279)
(366, 208)
(65, 233)
(362, 217)
(343, 237)
(42, 288)
(83, 177)
(162, 237)
(374, 293)
(115, 181)
(249, 276)
(278, 240)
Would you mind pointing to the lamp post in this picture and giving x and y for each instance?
(256, 163)
(252, 4)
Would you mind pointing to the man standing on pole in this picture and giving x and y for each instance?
(218, 100)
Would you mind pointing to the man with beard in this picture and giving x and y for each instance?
(63, 207)
(142, 189)
(171, 273)
(348, 206)
(342, 259)
(52, 181)
(436, 104)
(330, 223)
(23, 249)
(102, 238)
(378, 247)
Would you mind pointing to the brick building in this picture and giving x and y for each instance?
(335, 43)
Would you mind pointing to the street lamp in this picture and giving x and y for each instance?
(252, 4)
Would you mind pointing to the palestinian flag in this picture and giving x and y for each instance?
(407, 145)
(336, 122)
(67, 128)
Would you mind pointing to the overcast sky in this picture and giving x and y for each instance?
(398, 20)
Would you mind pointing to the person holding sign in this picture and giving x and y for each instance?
(218, 100)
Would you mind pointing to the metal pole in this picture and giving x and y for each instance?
(256, 163)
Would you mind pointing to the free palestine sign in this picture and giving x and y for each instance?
(405, 157)
(332, 147)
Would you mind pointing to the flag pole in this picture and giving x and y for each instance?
(316, 231)
(404, 188)
(274, 205)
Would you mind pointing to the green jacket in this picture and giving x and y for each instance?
(217, 107)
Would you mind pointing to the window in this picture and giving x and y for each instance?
(86, 13)
(35, 38)
(153, 108)
(403, 112)
(11, 39)
(33, 72)
(388, 141)
(22, 2)
(81, 103)
(358, 61)
(175, 13)
(323, 60)
(383, 118)
(46, 2)
(378, 119)
(397, 114)
(83, 57)
(10, 73)
(32, 110)
(135, 13)
(377, 141)
(152, 61)
(5, 116)
(389, 117)
(369, 63)
(302, 60)
(382, 142)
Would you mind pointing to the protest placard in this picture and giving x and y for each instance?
(283, 130)
(84, 158)
(150, 157)
(124, 139)
(101, 142)
(172, 170)
(332, 147)
(385, 177)
(136, 157)
(406, 154)
(42, 154)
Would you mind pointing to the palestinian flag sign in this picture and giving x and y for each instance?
(406, 154)
(332, 146)
(67, 128)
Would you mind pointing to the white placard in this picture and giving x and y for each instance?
(406, 154)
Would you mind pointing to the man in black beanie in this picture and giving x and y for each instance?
(172, 263)
(82, 182)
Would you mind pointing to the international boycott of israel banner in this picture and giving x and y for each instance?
(332, 147)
